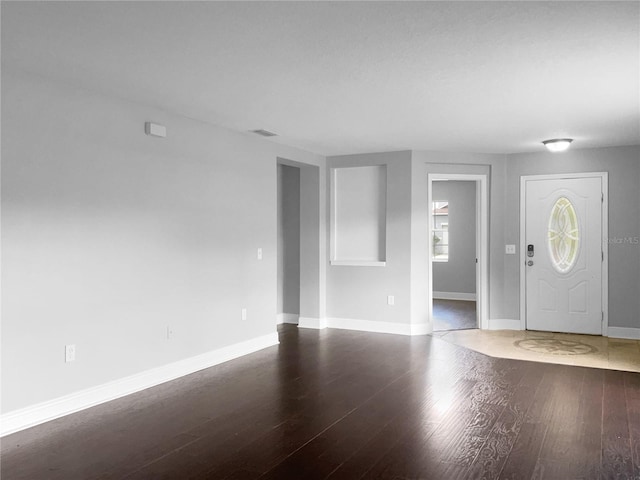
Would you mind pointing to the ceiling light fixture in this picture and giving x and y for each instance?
(557, 144)
(264, 133)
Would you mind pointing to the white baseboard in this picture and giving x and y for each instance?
(454, 296)
(418, 329)
(624, 332)
(311, 322)
(612, 332)
(287, 318)
(17, 420)
(504, 324)
(377, 327)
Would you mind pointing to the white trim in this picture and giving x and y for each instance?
(357, 263)
(504, 324)
(311, 322)
(482, 243)
(419, 329)
(17, 420)
(287, 318)
(332, 213)
(605, 252)
(604, 176)
(377, 327)
(471, 297)
(566, 176)
(523, 246)
(624, 332)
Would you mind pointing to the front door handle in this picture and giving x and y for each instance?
(530, 262)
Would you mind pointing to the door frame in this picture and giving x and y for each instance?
(312, 310)
(604, 177)
(482, 244)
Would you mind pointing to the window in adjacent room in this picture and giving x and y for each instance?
(440, 230)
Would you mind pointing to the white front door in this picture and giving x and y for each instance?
(564, 254)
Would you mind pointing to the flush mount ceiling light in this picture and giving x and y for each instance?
(557, 144)
(264, 133)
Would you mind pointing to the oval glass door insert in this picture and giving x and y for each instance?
(563, 235)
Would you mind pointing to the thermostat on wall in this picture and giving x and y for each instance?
(155, 129)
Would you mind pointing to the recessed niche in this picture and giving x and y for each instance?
(359, 215)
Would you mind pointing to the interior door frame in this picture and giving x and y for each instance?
(604, 177)
(482, 244)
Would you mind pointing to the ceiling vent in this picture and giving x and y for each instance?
(264, 133)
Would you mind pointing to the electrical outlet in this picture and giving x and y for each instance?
(391, 300)
(259, 254)
(69, 353)
(510, 249)
(169, 333)
(243, 314)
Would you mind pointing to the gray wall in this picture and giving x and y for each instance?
(109, 236)
(493, 166)
(288, 239)
(360, 292)
(458, 274)
(313, 255)
(623, 166)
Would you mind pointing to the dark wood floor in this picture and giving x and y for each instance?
(454, 315)
(346, 405)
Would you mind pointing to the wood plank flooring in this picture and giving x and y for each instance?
(454, 314)
(349, 405)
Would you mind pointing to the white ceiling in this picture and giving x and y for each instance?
(350, 77)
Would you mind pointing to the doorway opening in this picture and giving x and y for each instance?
(288, 303)
(453, 213)
(458, 284)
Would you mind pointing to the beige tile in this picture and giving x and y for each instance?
(502, 333)
(618, 354)
(623, 341)
(535, 333)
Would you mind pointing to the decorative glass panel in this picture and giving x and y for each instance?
(563, 236)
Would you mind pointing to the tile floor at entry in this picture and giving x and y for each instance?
(560, 348)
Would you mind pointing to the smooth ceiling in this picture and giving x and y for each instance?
(351, 77)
